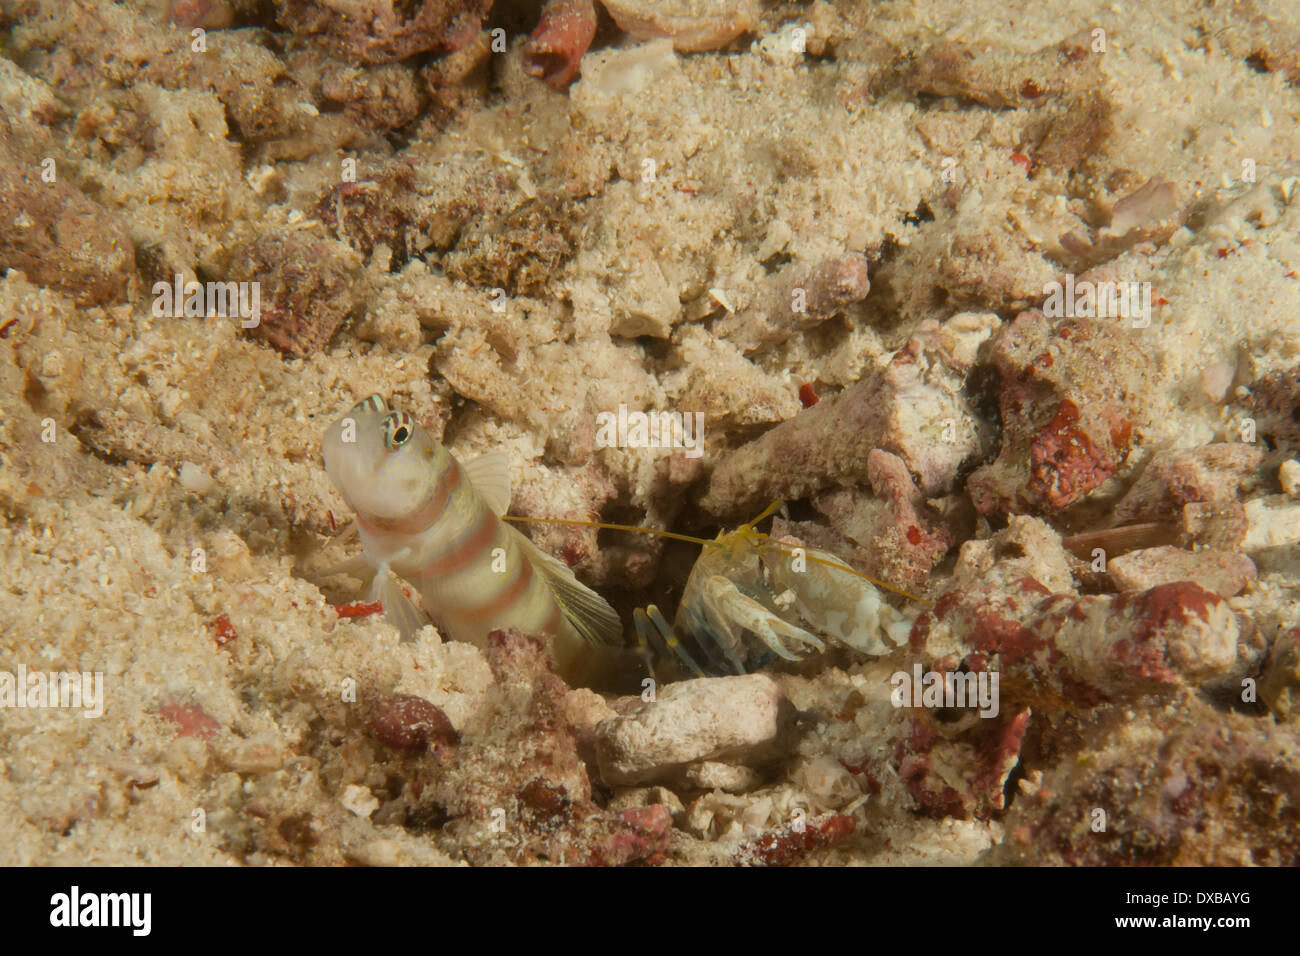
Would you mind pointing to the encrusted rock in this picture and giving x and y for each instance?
(386, 97)
(913, 408)
(1279, 685)
(519, 250)
(618, 838)
(734, 719)
(1026, 547)
(518, 754)
(798, 298)
(459, 79)
(1062, 650)
(900, 538)
(788, 845)
(306, 289)
(890, 535)
(381, 31)
(1275, 401)
(964, 775)
(1172, 479)
(1192, 787)
(1223, 572)
(1071, 397)
(52, 232)
(1150, 213)
(1005, 79)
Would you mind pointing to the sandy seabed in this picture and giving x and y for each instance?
(866, 241)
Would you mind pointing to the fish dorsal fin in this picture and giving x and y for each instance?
(490, 476)
(588, 612)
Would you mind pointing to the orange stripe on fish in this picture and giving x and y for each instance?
(498, 605)
(462, 554)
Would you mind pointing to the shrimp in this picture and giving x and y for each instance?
(750, 600)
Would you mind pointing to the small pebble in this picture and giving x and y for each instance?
(410, 723)
(359, 800)
(1216, 378)
(195, 479)
(1289, 476)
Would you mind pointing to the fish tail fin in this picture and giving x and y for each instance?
(587, 612)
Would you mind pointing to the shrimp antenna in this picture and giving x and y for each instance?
(767, 512)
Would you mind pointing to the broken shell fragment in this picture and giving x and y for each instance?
(692, 25)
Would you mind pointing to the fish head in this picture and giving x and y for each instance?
(383, 462)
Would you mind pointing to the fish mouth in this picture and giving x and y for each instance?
(350, 448)
(360, 466)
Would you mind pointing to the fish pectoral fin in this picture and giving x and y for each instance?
(588, 612)
(398, 609)
(490, 476)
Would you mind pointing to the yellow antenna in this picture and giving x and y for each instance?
(748, 526)
(767, 513)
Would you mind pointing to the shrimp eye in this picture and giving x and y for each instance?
(397, 429)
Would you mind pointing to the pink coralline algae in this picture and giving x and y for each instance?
(790, 844)
(930, 762)
(1064, 650)
(1070, 402)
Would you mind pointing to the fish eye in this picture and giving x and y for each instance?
(397, 429)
